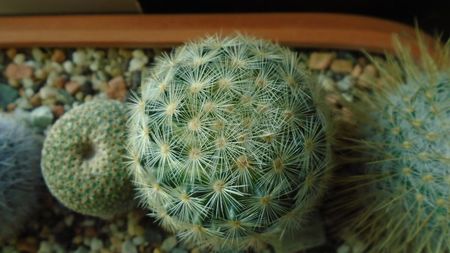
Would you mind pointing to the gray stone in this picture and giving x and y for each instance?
(7, 95)
(37, 54)
(96, 244)
(139, 240)
(169, 243)
(179, 250)
(346, 83)
(128, 247)
(152, 236)
(41, 117)
(344, 248)
(81, 249)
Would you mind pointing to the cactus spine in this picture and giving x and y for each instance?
(398, 199)
(20, 177)
(227, 147)
(83, 159)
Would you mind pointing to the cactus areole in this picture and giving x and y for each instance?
(226, 145)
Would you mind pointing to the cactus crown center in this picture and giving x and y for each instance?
(219, 186)
(194, 124)
(88, 151)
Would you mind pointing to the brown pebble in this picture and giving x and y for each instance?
(90, 232)
(370, 70)
(362, 61)
(357, 70)
(35, 100)
(77, 240)
(45, 232)
(332, 99)
(59, 82)
(320, 61)
(342, 66)
(18, 72)
(58, 110)
(72, 87)
(11, 53)
(11, 107)
(116, 242)
(58, 56)
(14, 83)
(347, 115)
(117, 89)
(368, 76)
(29, 245)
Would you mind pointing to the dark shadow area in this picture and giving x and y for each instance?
(432, 16)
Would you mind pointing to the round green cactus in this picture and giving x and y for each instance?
(83, 159)
(226, 144)
(20, 177)
(398, 200)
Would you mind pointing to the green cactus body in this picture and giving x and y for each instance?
(227, 147)
(20, 177)
(399, 199)
(83, 159)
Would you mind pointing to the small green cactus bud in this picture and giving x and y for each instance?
(83, 159)
(227, 147)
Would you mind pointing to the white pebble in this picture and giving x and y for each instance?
(96, 244)
(48, 92)
(138, 53)
(39, 73)
(68, 67)
(326, 82)
(79, 57)
(344, 248)
(136, 64)
(19, 59)
(28, 82)
(94, 66)
(37, 54)
(56, 67)
(79, 79)
(29, 92)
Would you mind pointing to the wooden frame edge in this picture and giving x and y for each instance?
(315, 30)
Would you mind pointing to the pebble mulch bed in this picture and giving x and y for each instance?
(44, 83)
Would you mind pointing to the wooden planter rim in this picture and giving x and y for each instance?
(313, 30)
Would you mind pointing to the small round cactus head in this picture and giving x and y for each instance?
(83, 159)
(398, 198)
(226, 145)
(20, 177)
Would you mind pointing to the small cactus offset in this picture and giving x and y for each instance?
(20, 177)
(398, 199)
(83, 159)
(226, 145)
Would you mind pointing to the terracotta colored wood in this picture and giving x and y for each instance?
(317, 30)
